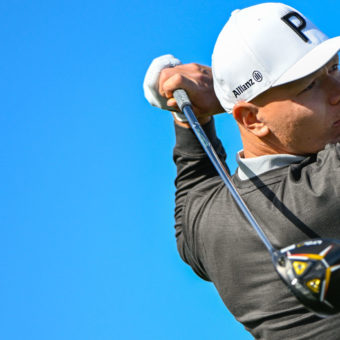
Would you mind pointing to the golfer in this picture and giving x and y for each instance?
(277, 74)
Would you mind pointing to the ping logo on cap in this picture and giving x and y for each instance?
(296, 29)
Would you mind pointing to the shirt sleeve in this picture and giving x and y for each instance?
(193, 168)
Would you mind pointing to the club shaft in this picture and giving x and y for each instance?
(219, 166)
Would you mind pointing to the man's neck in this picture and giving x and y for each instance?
(254, 146)
(259, 148)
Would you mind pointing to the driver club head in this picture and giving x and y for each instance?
(311, 270)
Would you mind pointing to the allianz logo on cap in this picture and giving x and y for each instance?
(257, 76)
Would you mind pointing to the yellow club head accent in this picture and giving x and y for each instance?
(314, 285)
(300, 267)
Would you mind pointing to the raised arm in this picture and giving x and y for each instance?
(194, 169)
(193, 165)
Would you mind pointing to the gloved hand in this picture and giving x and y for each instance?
(151, 86)
(166, 74)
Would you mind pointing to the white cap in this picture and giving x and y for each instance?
(265, 46)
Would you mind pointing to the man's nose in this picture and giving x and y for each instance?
(334, 97)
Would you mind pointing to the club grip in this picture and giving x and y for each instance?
(182, 98)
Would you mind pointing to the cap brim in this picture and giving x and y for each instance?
(311, 62)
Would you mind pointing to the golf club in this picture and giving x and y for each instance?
(310, 269)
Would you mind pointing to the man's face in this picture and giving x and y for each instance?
(304, 116)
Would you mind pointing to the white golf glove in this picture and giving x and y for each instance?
(150, 84)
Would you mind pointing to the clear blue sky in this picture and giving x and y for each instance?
(87, 247)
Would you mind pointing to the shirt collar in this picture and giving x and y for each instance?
(252, 167)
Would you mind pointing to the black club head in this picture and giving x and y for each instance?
(311, 270)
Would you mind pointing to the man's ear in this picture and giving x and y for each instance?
(247, 116)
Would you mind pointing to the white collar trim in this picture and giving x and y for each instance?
(252, 167)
